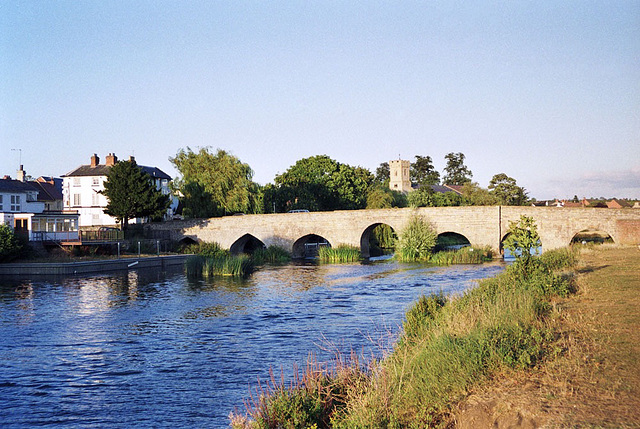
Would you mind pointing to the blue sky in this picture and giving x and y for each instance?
(547, 92)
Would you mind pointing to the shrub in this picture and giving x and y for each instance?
(10, 246)
(208, 250)
(416, 241)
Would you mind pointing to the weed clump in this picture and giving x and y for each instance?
(340, 254)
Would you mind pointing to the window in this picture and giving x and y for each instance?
(76, 199)
(95, 181)
(1, 208)
(95, 199)
(76, 181)
(15, 203)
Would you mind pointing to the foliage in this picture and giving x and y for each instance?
(383, 198)
(523, 241)
(221, 265)
(207, 250)
(506, 191)
(319, 183)
(475, 195)
(131, 194)
(416, 241)
(426, 197)
(383, 175)
(423, 172)
(271, 255)
(378, 198)
(466, 255)
(215, 184)
(456, 173)
(339, 254)
(10, 246)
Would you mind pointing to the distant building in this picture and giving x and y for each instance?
(399, 176)
(81, 190)
(618, 204)
(400, 179)
(34, 209)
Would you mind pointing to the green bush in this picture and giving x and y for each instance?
(207, 250)
(10, 246)
(416, 241)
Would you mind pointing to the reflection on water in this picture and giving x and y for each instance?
(148, 348)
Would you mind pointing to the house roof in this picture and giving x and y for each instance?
(103, 170)
(47, 191)
(14, 186)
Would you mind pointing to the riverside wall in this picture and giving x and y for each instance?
(89, 267)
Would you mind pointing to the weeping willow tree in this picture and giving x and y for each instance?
(215, 184)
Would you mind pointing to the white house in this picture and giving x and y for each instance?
(81, 190)
(26, 206)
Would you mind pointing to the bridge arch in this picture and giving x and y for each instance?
(307, 246)
(246, 244)
(592, 236)
(451, 240)
(377, 238)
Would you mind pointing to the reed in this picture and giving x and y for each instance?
(341, 254)
(416, 241)
(271, 255)
(222, 265)
(466, 255)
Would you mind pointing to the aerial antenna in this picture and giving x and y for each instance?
(20, 154)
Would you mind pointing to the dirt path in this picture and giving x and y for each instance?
(594, 381)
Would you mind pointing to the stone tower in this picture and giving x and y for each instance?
(399, 179)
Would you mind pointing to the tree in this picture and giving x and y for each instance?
(506, 191)
(320, 183)
(383, 174)
(215, 184)
(474, 195)
(523, 241)
(456, 173)
(10, 247)
(423, 172)
(130, 193)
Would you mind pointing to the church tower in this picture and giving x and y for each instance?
(399, 179)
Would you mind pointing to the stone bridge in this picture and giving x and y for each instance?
(481, 226)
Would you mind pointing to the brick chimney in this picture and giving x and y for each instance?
(132, 159)
(95, 160)
(111, 159)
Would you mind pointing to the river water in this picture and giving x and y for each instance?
(157, 349)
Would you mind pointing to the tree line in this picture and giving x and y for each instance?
(216, 183)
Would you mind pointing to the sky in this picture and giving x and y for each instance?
(547, 92)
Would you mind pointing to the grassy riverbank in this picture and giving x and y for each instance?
(594, 381)
(447, 347)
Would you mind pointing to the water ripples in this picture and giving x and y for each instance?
(148, 348)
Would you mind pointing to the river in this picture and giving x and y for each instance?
(157, 349)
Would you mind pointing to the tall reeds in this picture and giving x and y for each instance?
(341, 254)
(212, 260)
(271, 255)
(466, 255)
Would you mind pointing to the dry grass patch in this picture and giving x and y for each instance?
(595, 379)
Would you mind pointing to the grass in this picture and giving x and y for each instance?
(447, 346)
(341, 254)
(271, 255)
(594, 382)
(466, 255)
